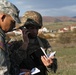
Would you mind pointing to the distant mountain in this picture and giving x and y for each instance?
(58, 19)
(74, 17)
(48, 19)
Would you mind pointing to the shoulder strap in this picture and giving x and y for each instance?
(40, 42)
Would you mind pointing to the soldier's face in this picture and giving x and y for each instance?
(33, 31)
(7, 23)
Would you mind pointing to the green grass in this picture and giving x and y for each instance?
(57, 25)
(66, 61)
(66, 54)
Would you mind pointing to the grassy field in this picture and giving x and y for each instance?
(57, 25)
(66, 53)
(66, 59)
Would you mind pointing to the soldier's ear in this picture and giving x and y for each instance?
(3, 16)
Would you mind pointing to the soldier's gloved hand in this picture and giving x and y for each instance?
(47, 61)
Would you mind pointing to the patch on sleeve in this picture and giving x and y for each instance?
(2, 45)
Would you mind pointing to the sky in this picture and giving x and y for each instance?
(52, 8)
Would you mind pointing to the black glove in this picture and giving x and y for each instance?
(54, 65)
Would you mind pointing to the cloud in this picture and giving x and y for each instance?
(23, 5)
(46, 11)
(18, 2)
(63, 11)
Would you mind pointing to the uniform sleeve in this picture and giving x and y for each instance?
(17, 53)
(20, 55)
(2, 43)
(3, 65)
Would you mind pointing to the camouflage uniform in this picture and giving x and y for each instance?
(3, 53)
(26, 60)
(10, 9)
(16, 54)
(32, 56)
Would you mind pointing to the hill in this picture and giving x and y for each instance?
(58, 19)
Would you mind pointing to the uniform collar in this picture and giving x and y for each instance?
(2, 33)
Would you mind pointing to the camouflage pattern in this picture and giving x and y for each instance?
(34, 16)
(4, 66)
(10, 9)
(19, 60)
(16, 54)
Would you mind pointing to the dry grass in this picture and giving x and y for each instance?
(66, 53)
(66, 59)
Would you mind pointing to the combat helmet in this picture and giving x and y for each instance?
(33, 18)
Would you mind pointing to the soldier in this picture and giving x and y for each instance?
(9, 14)
(35, 57)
